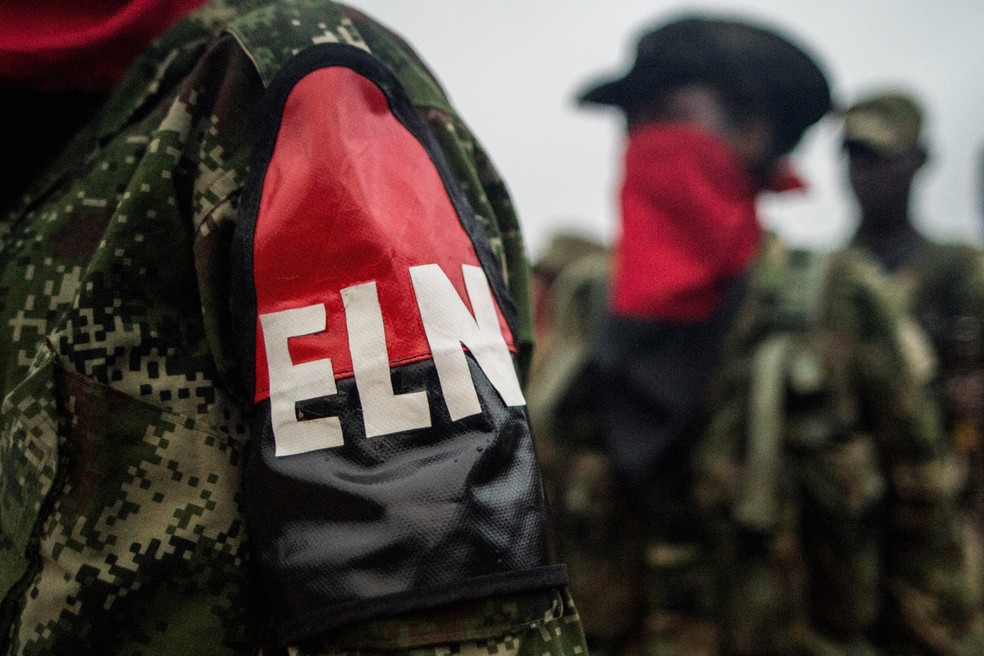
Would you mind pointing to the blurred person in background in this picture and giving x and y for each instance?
(766, 414)
(241, 253)
(942, 283)
(564, 250)
(598, 535)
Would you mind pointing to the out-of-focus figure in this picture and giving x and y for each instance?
(564, 249)
(942, 283)
(769, 446)
(883, 139)
(597, 532)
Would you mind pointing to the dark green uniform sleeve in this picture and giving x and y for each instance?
(925, 574)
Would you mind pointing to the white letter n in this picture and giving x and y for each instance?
(449, 325)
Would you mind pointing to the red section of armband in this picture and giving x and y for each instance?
(350, 196)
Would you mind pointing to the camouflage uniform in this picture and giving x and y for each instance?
(122, 527)
(943, 287)
(815, 513)
(851, 542)
(599, 536)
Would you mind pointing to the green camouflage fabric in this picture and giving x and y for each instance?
(943, 287)
(598, 534)
(123, 425)
(835, 512)
(817, 510)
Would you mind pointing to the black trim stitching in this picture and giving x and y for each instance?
(320, 621)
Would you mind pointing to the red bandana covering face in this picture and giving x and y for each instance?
(688, 223)
(63, 45)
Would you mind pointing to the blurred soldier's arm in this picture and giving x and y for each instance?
(929, 599)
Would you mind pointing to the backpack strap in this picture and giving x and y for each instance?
(755, 506)
(796, 290)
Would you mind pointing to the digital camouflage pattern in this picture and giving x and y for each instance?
(816, 510)
(123, 428)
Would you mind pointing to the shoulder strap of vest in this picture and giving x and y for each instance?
(798, 281)
(796, 285)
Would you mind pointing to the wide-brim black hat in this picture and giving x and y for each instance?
(747, 63)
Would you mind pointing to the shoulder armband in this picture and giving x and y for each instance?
(392, 465)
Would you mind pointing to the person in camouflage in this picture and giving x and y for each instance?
(599, 536)
(155, 495)
(765, 413)
(942, 283)
(564, 249)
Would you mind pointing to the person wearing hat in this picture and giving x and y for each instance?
(765, 413)
(942, 283)
(883, 141)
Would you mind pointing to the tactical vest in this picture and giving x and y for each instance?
(789, 491)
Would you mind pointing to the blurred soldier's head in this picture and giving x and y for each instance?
(883, 139)
(744, 82)
(564, 250)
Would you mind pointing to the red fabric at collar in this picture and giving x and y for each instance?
(62, 45)
(688, 224)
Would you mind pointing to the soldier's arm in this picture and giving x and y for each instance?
(925, 575)
(393, 491)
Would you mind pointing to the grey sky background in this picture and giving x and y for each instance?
(512, 67)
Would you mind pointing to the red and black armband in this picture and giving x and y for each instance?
(392, 467)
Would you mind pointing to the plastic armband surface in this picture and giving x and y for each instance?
(392, 467)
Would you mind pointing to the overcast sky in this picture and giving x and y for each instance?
(512, 68)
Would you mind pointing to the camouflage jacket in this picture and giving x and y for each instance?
(943, 286)
(814, 512)
(829, 487)
(125, 419)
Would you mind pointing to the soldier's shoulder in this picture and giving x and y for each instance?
(857, 278)
(857, 267)
(958, 260)
(843, 290)
(867, 302)
(272, 32)
(951, 256)
(952, 273)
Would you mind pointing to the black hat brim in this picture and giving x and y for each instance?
(621, 91)
(606, 92)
